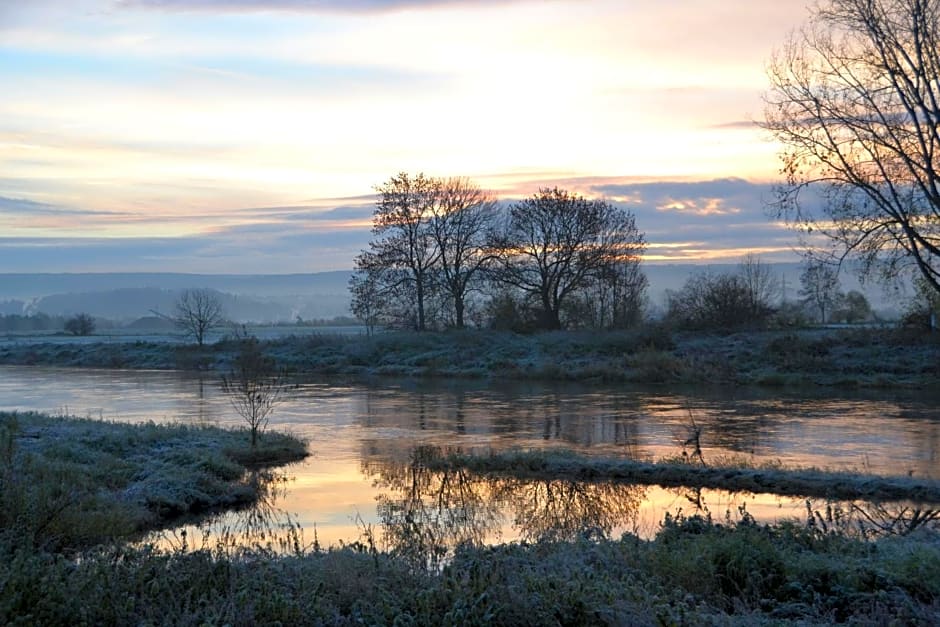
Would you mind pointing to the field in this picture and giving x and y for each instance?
(862, 357)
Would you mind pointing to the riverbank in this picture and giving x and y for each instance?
(70, 483)
(863, 357)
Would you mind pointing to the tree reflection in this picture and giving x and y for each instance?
(426, 512)
(429, 506)
(559, 509)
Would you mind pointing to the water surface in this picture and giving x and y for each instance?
(362, 437)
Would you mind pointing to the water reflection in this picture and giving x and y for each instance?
(426, 511)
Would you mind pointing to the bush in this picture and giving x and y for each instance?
(721, 302)
(82, 324)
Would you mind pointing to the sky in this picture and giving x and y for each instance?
(247, 136)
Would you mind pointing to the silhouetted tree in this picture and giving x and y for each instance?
(854, 101)
(462, 215)
(81, 324)
(197, 312)
(553, 244)
(254, 386)
(761, 285)
(819, 287)
(403, 253)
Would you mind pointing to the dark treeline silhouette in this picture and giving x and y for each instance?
(446, 253)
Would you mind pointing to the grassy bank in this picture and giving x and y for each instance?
(856, 358)
(68, 483)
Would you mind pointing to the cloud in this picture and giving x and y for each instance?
(246, 249)
(334, 6)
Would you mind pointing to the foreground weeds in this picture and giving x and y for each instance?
(74, 491)
(695, 572)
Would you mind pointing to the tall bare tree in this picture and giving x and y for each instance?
(403, 253)
(197, 312)
(554, 243)
(855, 102)
(462, 216)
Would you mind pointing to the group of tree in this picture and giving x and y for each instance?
(444, 247)
(752, 297)
(79, 324)
(745, 298)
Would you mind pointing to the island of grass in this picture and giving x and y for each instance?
(69, 483)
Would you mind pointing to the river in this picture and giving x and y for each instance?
(362, 436)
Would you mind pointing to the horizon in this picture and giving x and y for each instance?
(218, 136)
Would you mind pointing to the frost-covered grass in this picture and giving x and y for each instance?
(651, 354)
(694, 572)
(68, 483)
(735, 475)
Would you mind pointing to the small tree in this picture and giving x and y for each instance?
(852, 308)
(819, 288)
(197, 312)
(254, 386)
(713, 301)
(762, 286)
(82, 324)
(368, 300)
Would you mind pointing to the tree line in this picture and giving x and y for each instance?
(446, 253)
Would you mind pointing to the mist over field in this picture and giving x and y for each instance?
(126, 297)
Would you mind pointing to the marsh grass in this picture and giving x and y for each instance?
(695, 572)
(68, 483)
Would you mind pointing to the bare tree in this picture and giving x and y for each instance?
(462, 215)
(855, 102)
(369, 303)
(819, 287)
(554, 243)
(403, 253)
(254, 386)
(762, 286)
(197, 312)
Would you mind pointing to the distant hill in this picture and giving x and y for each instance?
(284, 297)
(128, 296)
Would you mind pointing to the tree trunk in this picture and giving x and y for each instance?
(458, 312)
(420, 295)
